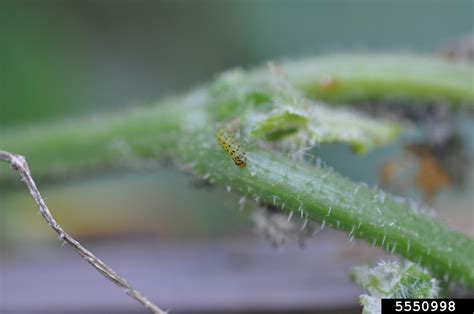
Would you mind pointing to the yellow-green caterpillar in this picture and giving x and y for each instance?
(227, 142)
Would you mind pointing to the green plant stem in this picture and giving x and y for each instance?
(182, 129)
(322, 195)
(384, 77)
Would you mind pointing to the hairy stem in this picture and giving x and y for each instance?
(322, 195)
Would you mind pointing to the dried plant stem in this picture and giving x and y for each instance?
(19, 164)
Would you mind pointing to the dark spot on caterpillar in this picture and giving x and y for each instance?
(231, 147)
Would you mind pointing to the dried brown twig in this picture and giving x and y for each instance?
(19, 164)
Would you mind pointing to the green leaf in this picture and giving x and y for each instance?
(278, 111)
(393, 280)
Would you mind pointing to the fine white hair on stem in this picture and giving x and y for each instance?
(19, 164)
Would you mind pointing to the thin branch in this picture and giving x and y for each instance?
(19, 164)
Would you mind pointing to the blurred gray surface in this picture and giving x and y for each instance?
(223, 276)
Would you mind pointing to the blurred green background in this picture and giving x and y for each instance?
(63, 59)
